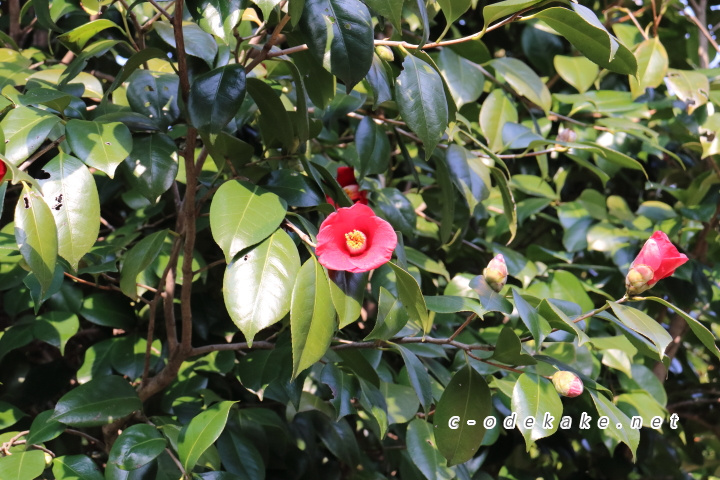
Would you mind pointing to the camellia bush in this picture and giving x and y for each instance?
(367, 239)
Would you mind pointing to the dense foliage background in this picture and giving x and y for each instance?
(169, 164)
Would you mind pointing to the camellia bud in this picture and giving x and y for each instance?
(567, 383)
(496, 273)
(638, 279)
(385, 53)
(567, 135)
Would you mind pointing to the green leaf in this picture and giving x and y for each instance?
(100, 145)
(391, 317)
(558, 319)
(36, 236)
(589, 36)
(240, 455)
(257, 286)
(537, 325)
(243, 214)
(70, 192)
(411, 297)
(402, 402)
(275, 122)
(523, 80)
(138, 445)
(197, 43)
(77, 38)
(50, 97)
(464, 78)
(153, 165)
(373, 147)
(397, 209)
(215, 97)
(108, 311)
(312, 316)
(491, 300)
(75, 467)
(453, 9)
(533, 185)
(577, 71)
(27, 465)
(617, 429)
(534, 396)
(9, 415)
(137, 259)
(467, 396)
(25, 129)
(470, 176)
(218, 17)
(340, 36)
(56, 328)
(509, 206)
(155, 95)
(296, 189)
(390, 9)
(451, 304)
(421, 446)
(98, 402)
(689, 86)
(652, 60)
(420, 96)
(379, 81)
(202, 431)
(347, 290)
(418, 375)
(343, 387)
(42, 12)
(447, 194)
(701, 332)
(497, 109)
(496, 11)
(43, 429)
(644, 325)
(508, 349)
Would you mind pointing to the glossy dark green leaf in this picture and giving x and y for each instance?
(577, 71)
(43, 429)
(701, 332)
(240, 455)
(340, 36)
(420, 95)
(582, 28)
(138, 445)
(75, 467)
(275, 123)
(56, 328)
(523, 80)
(451, 304)
(391, 317)
(390, 9)
(447, 193)
(312, 316)
(618, 426)
(155, 95)
(557, 318)
(70, 192)
(344, 389)
(491, 300)
(418, 375)
(644, 325)
(153, 165)
(296, 189)
(133, 63)
(197, 42)
(470, 176)
(420, 441)
(137, 259)
(496, 111)
(411, 297)
(509, 205)
(108, 310)
(98, 402)
(464, 78)
(379, 81)
(508, 349)
(9, 415)
(215, 97)
(77, 38)
(243, 214)
(338, 438)
(496, 11)
(42, 12)
(36, 236)
(25, 129)
(346, 290)
(536, 397)
(397, 209)
(257, 286)
(537, 325)
(373, 147)
(202, 431)
(467, 397)
(218, 17)
(100, 145)
(26, 465)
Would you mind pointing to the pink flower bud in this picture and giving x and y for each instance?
(657, 259)
(567, 135)
(567, 383)
(496, 273)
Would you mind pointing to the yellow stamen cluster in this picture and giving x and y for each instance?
(356, 242)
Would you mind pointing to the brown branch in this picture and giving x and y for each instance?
(163, 12)
(87, 437)
(462, 327)
(209, 266)
(269, 44)
(42, 152)
(303, 236)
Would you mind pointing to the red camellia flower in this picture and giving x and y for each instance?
(3, 170)
(346, 179)
(657, 259)
(354, 239)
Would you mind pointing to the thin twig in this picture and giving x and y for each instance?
(462, 327)
(303, 236)
(42, 152)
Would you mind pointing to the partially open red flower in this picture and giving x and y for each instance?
(3, 170)
(346, 179)
(657, 259)
(354, 239)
